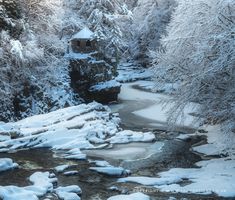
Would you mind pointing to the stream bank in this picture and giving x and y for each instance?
(143, 159)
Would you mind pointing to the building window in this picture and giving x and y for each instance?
(88, 43)
(78, 43)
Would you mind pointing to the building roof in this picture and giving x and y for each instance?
(85, 33)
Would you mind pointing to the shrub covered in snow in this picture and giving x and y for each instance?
(199, 52)
(34, 77)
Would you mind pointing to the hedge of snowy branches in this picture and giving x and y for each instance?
(32, 69)
(199, 54)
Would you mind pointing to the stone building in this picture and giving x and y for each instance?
(92, 75)
(83, 42)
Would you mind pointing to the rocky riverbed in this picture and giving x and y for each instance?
(169, 149)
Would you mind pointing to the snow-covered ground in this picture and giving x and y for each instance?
(218, 143)
(157, 110)
(7, 164)
(166, 88)
(134, 196)
(212, 176)
(111, 170)
(94, 126)
(69, 192)
(201, 180)
(42, 183)
(128, 72)
(105, 86)
(216, 175)
(72, 129)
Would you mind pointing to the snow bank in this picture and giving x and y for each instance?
(105, 86)
(204, 180)
(166, 88)
(218, 143)
(157, 110)
(100, 163)
(127, 136)
(42, 183)
(61, 168)
(134, 196)
(6, 164)
(71, 129)
(70, 173)
(78, 56)
(127, 72)
(105, 168)
(111, 170)
(69, 193)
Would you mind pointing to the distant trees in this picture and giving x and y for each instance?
(199, 52)
(150, 19)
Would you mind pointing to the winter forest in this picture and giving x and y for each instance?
(117, 99)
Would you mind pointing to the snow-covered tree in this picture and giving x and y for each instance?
(150, 18)
(34, 76)
(101, 16)
(199, 53)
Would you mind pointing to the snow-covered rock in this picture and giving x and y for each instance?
(134, 196)
(61, 168)
(70, 173)
(127, 136)
(71, 129)
(218, 143)
(105, 86)
(212, 176)
(71, 188)
(6, 164)
(157, 110)
(42, 183)
(111, 170)
(69, 193)
(101, 163)
(128, 72)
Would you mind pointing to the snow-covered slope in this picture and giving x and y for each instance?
(75, 128)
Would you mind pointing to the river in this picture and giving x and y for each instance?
(143, 159)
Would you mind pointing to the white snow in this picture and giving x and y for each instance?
(6, 164)
(42, 183)
(128, 72)
(78, 56)
(157, 110)
(166, 88)
(218, 142)
(70, 173)
(105, 85)
(71, 188)
(185, 136)
(101, 163)
(75, 154)
(85, 33)
(216, 175)
(61, 168)
(111, 170)
(127, 153)
(17, 48)
(127, 136)
(72, 129)
(4, 138)
(134, 196)
(69, 192)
